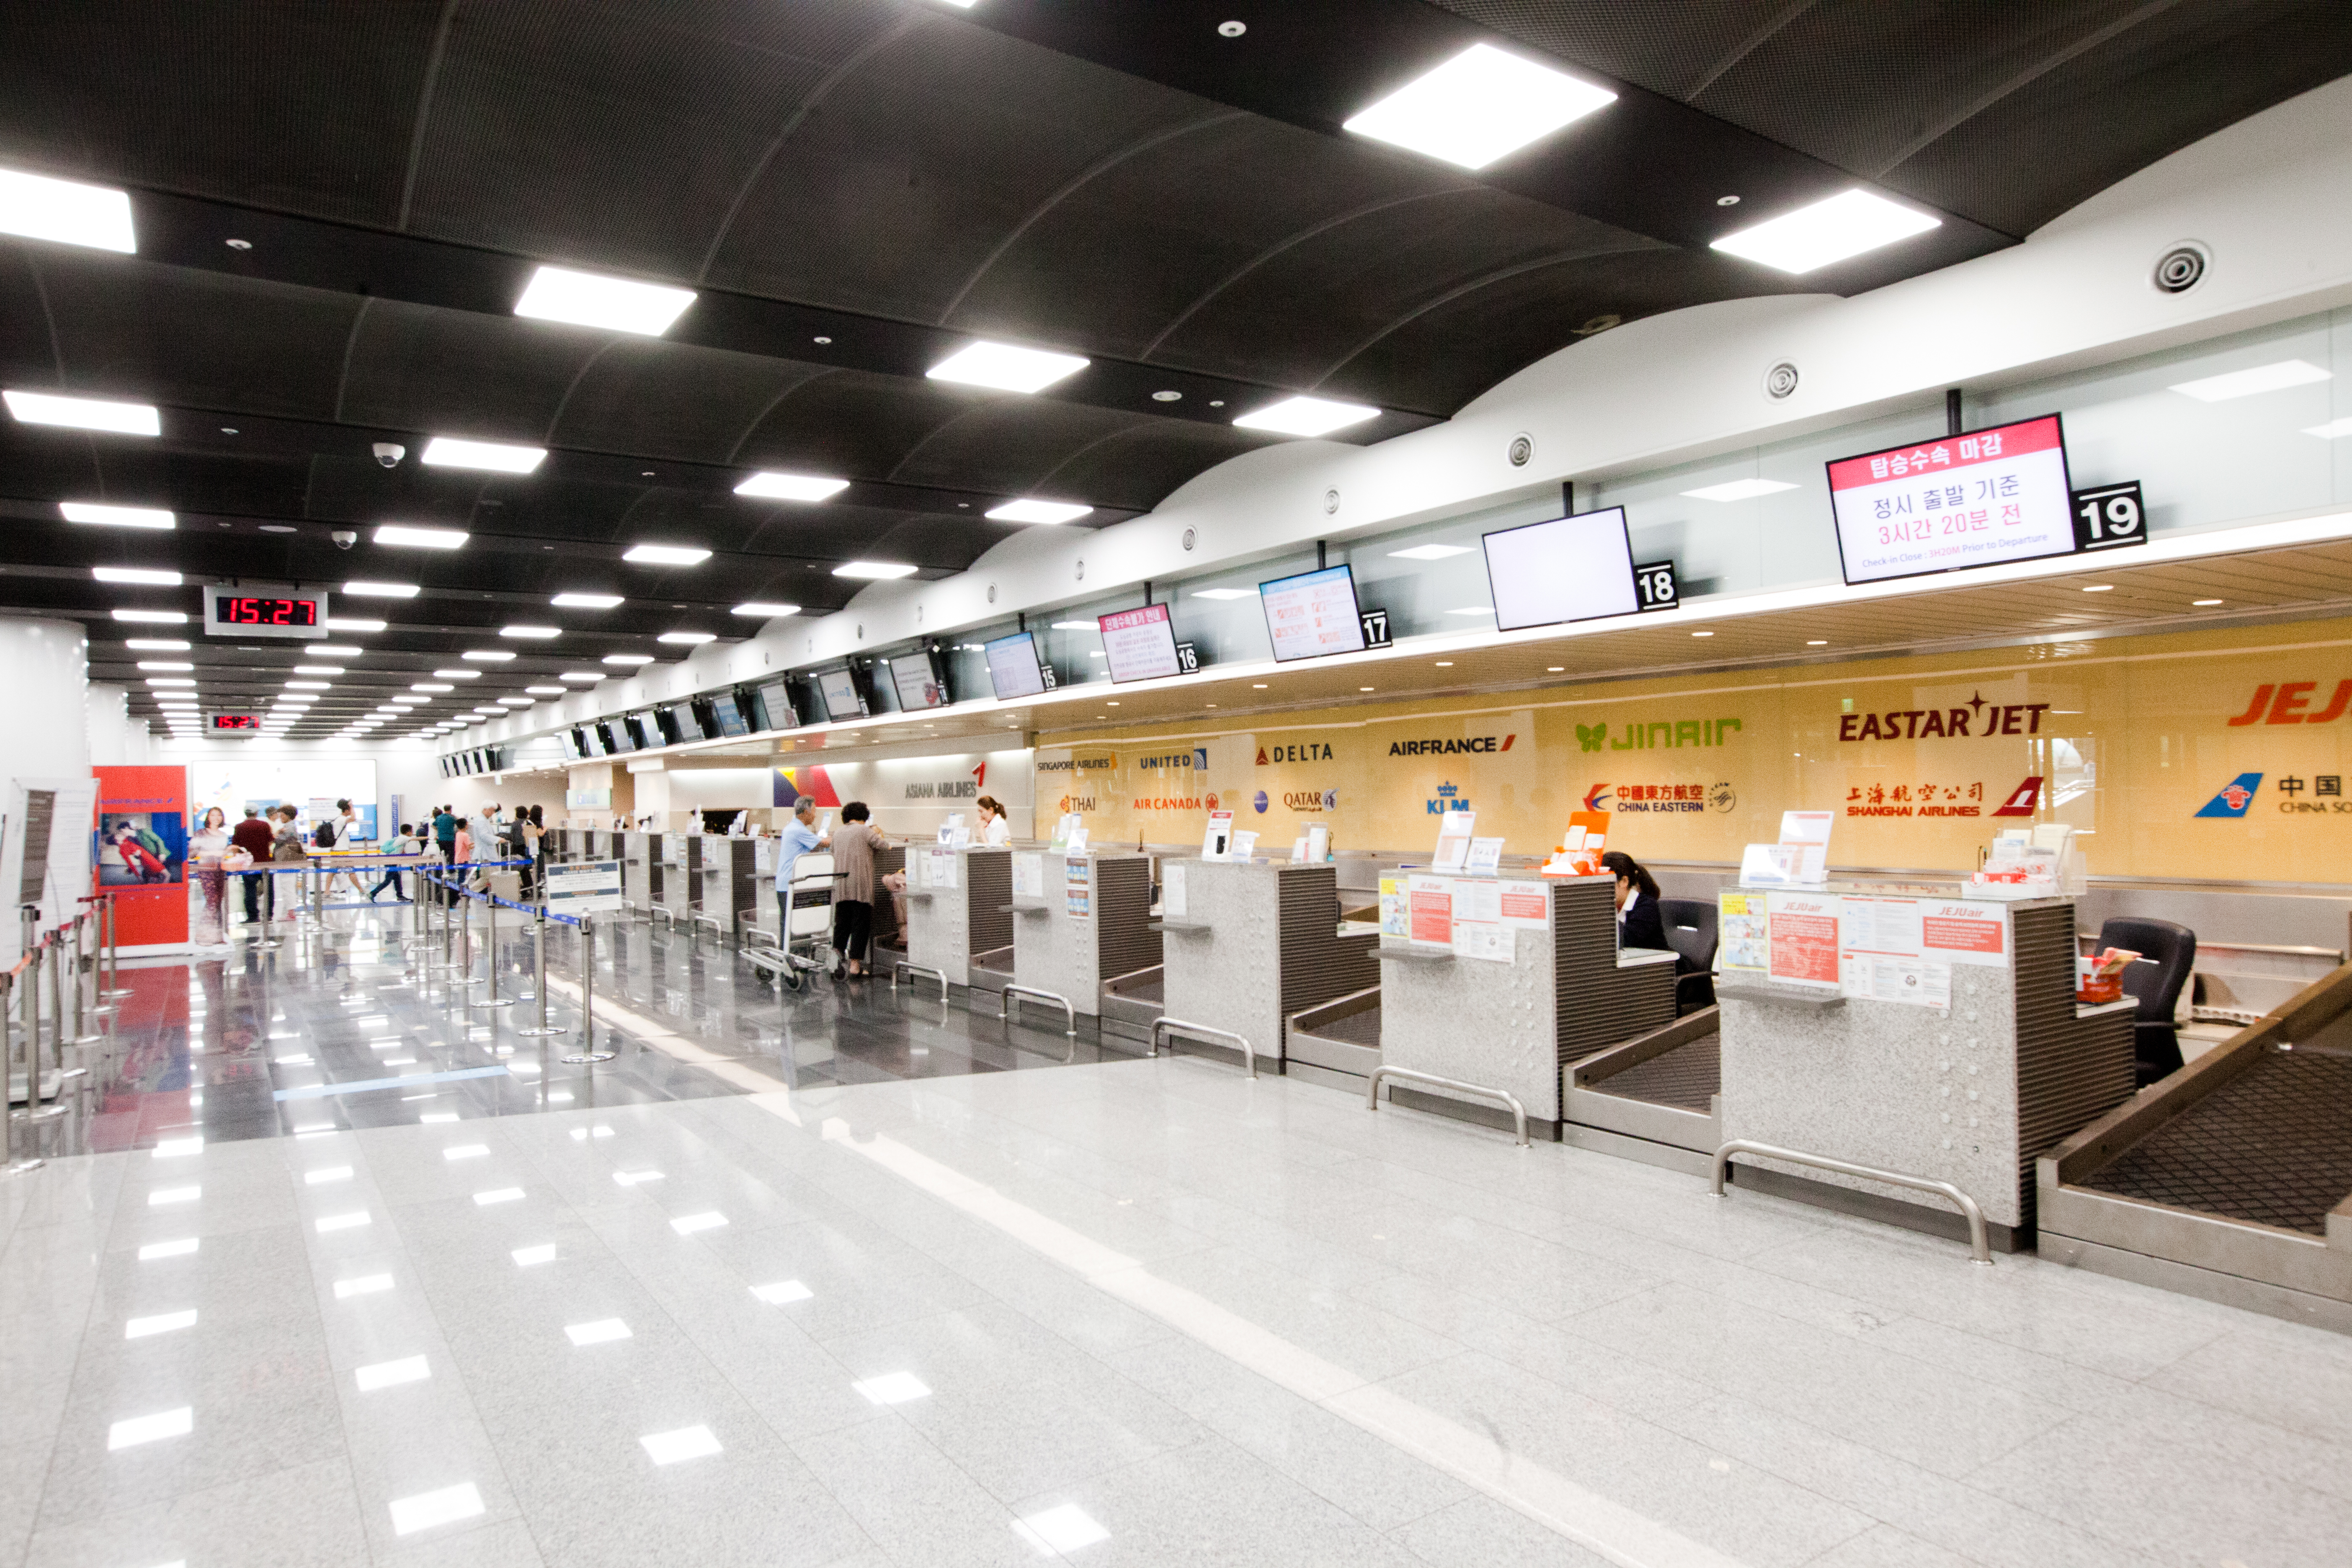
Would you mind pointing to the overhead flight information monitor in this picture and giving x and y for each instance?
(1012, 666)
(1141, 642)
(1976, 500)
(1313, 613)
(264, 610)
(1575, 568)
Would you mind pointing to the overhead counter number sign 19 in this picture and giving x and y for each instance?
(1977, 499)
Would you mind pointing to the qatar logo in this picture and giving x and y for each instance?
(2236, 796)
(1598, 799)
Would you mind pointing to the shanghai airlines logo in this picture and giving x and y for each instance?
(2021, 800)
(2238, 795)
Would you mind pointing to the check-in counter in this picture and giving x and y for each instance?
(1502, 983)
(678, 888)
(1079, 920)
(1247, 944)
(641, 871)
(725, 878)
(1959, 1066)
(956, 907)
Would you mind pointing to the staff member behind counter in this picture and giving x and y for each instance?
(1639, 921)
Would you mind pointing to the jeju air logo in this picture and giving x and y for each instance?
(2236, 796)
(1598, 799)
(2022, 799)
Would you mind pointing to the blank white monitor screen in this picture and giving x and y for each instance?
(1013, 668)
(1570, 569)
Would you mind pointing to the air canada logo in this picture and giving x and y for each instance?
(2236, 796)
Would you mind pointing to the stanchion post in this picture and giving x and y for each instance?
(538, 985)
(7, 1069)
(489, 980)
(113, 952)
(34, 1109)
(587, 1055)
(83, 1035)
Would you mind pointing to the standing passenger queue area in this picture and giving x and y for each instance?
(813, 1278)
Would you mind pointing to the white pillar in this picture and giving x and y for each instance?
(116, 740)
(45, 698)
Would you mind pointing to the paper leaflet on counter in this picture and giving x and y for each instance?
(952, 831)
(1244, 845)
(1478, 929)
(1028, 874)
(1801, 939)
(1078, 839)
(943, 869)
(1741, 931)
(1078, 885)
(1453, 830)
(1298, 850)
(1319, 843)
(1171, 891)
(1217, 839)
(1068, 822)
(1429, 907)
(1801, 859)
(1580, 853)
(1392, 907)
(1486, 857)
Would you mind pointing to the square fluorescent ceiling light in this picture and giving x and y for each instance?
(687, 637)
(628, 658)
(1429, 552)
(765, 486)
(536, 632)
(1478, 106)
(38, 207)
(447, 452)
(117, 516)
(765, 610)
(1306, 417)
(139, 574)
(1005, 367)
(345, 624)
(158, 618)
(84, 413)
(585, 601)
(1038, 511)
(378, 591)
(2247, 383)
(559, 294)
(668, 555)
(420, 538)
(883, 570)
(1739, 490)
(1845, 225)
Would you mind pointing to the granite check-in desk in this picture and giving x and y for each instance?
(641, 871)
(1559, 990)
(729, 881)
(956, 902)
(679, 891)
(1968, 1095)
(1245, 945)
(1071, 954)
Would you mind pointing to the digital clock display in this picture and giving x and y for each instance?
(263, 610)
(236, 720)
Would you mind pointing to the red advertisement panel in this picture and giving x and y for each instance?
(139, 852)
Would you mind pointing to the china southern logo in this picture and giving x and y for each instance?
(2233, 800)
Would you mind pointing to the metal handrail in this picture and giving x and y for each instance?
(939, 974)
(1164, 1026)
(1518, 1111)
(1012, 994)
(1979, 1249)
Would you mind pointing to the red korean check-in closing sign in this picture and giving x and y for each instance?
(1964, 501)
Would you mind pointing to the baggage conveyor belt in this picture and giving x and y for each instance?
(1652, 1099)
(2230, 1179)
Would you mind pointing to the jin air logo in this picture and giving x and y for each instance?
(2234, 798)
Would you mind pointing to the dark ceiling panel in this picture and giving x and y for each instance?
(1007, 444)
(497, 378)
(920, 161)
(1146, 460)
(308, 107)
(847, 422)
(673, 400)
(542, 111)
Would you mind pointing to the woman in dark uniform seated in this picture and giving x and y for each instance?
(1639, 923)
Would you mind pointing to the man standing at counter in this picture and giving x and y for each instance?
(797, 839)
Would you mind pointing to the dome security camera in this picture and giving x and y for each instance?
(344, 538)
(389, 454)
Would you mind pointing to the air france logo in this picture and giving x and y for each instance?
(2234, 798)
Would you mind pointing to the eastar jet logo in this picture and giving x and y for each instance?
(1436, 748)
(2234, 798)
(1972, 719)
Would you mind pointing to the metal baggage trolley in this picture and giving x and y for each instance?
(804, 944)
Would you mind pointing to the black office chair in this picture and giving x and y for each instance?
(1691, 933)
(2167, 955)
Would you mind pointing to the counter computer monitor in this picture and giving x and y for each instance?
(501, 759)
(618, 737)
(727, 711)
(648, 729)
(916, 680)
(1313, 615)
(1014, 667)
(444, 767)
(570, 741)
(592, 740)
(838, 688)
(772, 707)
(1141, 644)
(681, 723)
(1577, 568)
(1955, 501)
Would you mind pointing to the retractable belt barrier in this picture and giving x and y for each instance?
(47, 949)
(587, 1055)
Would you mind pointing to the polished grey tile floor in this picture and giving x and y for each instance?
(1123, 1312)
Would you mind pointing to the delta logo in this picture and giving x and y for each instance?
(1301, 752)
(2235, 797)
(1449, 747)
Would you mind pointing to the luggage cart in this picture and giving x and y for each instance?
(804, 945)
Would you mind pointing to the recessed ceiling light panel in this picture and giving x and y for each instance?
(1306, 416)
(880, 570)
(449, 452)
(65, 210)
(1429, 552)
(533, 633)
(116, 516)
(1026, 510)
(768, 486)
(616, 304)
(1478, 107)
(2248, 382)
(84, 413)
(1739, 490)
(397, 534)
(1812, 236)
(139, 574)
(765, 610)
(369, 590)
(585, 601)
(668, 555)
(687, 638)
(1006, 367)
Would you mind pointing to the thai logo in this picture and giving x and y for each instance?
(1449, 798)
(2236, 796)
(1080, 802)
(1258, 800)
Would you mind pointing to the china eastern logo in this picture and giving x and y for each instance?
(2234, 798)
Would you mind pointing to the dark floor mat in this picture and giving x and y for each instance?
(1356, 1029)
(2273, 1146)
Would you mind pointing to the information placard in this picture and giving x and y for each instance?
(1140, 644)
(583, 887)
(1965, 501)
(1313, 613)
(1803, 944)
(1955, 932)
(1430, 910)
